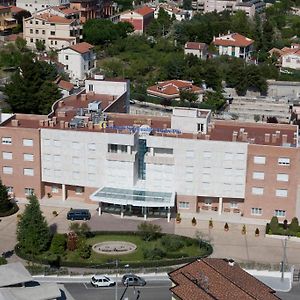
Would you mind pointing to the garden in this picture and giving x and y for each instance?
(285, 228)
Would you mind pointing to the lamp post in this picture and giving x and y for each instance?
(284, 258)
(116, 290)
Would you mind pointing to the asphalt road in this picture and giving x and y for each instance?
(158, 290)
(294, 294)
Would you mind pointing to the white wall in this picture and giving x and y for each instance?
(33, 6)
(291, 61)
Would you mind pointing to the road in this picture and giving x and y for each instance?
(158, 290)
(294, 294)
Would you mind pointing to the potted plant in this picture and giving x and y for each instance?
(178, 218)
(226, 227)
(210, 224)
(244, 231)
(194, 222)
(256, 232)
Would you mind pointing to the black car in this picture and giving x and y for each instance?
(133, 280)
(79, 214)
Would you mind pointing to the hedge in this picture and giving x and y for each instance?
(10, 212)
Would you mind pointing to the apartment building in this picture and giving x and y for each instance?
(54, 31)
(7, 22)
(173, 11)
(33, 6)
(90, 149)
(79, 61)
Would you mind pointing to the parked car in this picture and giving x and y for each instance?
(79, 214)
(101, 281)
(133, 280)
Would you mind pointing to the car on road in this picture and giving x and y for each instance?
(102, 281)
(79, 214)
(133, 280)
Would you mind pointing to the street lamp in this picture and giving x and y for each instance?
(116, 290)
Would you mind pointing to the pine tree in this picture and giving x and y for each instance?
(5, 203)
(33, 232)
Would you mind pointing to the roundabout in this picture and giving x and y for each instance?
(114, 247)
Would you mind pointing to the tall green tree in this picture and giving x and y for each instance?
(5, 203)
(33, 233)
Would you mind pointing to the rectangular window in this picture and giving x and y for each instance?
(92, 147)
(57, 173)
(75, 160)
(255, 211)
(281, 193)
(10, 189)
(28, 157)
(113, 148)
(56, 143)
(27, 142)
(6, 140)
(43, 32)
(78, 190)
(7, 170)
(207, 154)
(31, 30)
(185, 205)
(258, 175)
(228, 171)
(52, 32)
(91, 87)
(7, 155)
(28, 172)
(75, 175)
(75, 145)
(257, 191)
(233, 204)
(54, 189)
(189, 154)
(29, 191)
(57, 158)
(283, 161)
(282, 177)
(279, 213)
(67, 57)
(228, 156)
(123, 148)
(207, 202)
(259, 160)
(240, 156)
(36, 31)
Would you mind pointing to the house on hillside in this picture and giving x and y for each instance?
(170, 90)
(197, 49)
(287, 57)
(139, 18)
(234, 44)
(79, 61)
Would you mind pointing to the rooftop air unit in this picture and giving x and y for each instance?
(95, 106)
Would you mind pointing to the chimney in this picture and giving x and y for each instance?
(110, 123)
(62, 124)
(207, 137)
(66, 124)
(231, 262)
(274, 137)
(234, 136)
(277, 134)
(41, 122)
(90, 125)
(284, 138)
(267, 137)
(83, 97)
(245, 137)
(46, 123)
(54, 119)
(149, 122)
(195, 135)
(51, 123)
(61, 103)
(15, 123)
(165, 126)
(209, 128)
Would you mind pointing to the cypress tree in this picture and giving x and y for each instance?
(5, 203)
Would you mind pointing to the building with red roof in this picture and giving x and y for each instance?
(139, 18)
(234, 44)
(197, 49)
(288, 57)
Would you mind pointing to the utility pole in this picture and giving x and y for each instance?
(116, 290)
(283, 259)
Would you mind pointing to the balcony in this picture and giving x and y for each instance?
(122, 156)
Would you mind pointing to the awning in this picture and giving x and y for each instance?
(134, 197)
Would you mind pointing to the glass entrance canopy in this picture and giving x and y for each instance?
(134, 197)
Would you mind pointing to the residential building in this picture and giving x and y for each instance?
(173, 11)
(288, 57)
(170, 89)
(215, 278)
(139, 18)
(234, 44)
(54, 31)
(65, 87)
(79, 61)
(7, 22)
(88, 9)
(33, 6)
(197, 49)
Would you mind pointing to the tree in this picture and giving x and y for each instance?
(274, 225)
(187, 4)
(58, 244)
(294, 226)
(21, 44)
(33, 232)
(186, 95)
(39, 45)
(149, 231)
(256, 118)
(272, 120)
(5, 203)
(80, 229)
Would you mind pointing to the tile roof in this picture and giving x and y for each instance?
(54, 19)
(15, 9)
(213, 278)
(195, 46)
(233, 39)
(145, 10)
(65, 85)
(82, 47)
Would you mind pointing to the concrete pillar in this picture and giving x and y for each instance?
(220, 205)
(169, 214)
(99, 209)
(63, 191)
(145, 213)
(128, 149)
(122, 211)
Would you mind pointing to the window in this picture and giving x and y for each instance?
(43, 31)
(75, 160)
(54, 189)
(283, 161)
(28, 172)
(259, 160)
(67, 67)
(91, 87)
(189, 154)
(207, 154)
(10, 189)
(258, 175)
(7, 155)
(31, 40)
(29, 191)
(37, 22)
(67, 57)
(31, 30)
(185, 205)
(27, 142)
(282, 177)
(255, 211)
(52, 32)
(112, 148)
(75, 175)
(7, 170)
(28, 157)
(78, 190)
(240, 156)
(228, 156)
(207, 202)
(37, 31)
(200, 127)
(233, 204)
(257, 191)
(92, 147)
(123, 148)
(56, 143)
(228, 171)
(279, 213)
(6, 140)
(281, 193)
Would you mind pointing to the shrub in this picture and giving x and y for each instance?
(80, 229)
(226, 226)
(194, 222)
(294, 226)
(285, 224)
(153, 254)
(244, 231)
(72, 241)
(85, 250)
(210, 223)
(3, 260)
(175, 255)
(256, 231)
(58, 244)
(274, 226)
(148, 231)
(172, 243)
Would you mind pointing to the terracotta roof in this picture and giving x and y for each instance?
(233, 39)
(4, 7)
(54, 19)
(65, 10)
(145, 10)
(82, 47)
(173, 87)
(195, 46)
(213, 278)
(15, 9)
(65, 85)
